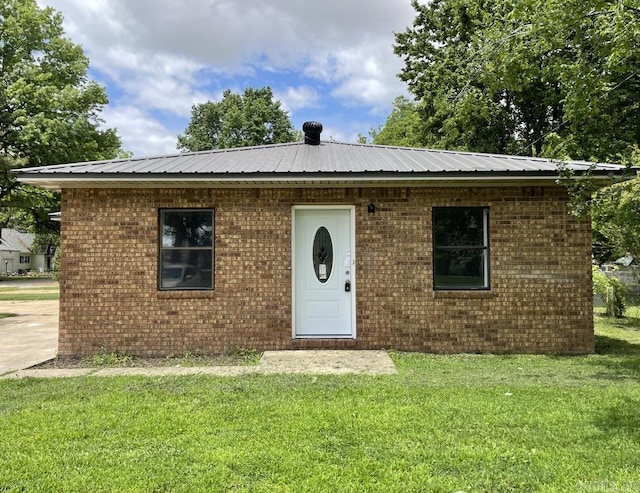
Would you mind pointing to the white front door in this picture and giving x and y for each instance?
(323, 272)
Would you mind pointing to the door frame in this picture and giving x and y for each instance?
(352, 270)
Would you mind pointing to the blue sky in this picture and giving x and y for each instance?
(330, 61)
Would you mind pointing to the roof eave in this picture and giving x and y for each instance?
(55, 181)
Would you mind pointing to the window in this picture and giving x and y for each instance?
(322, 254)
(186, 249)
(460, 248)
(25, 259)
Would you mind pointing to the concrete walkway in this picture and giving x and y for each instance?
(320, 362)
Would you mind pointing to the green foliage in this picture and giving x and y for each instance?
(237, 120)
(235, 357)
(601, 248)
(245, 357)
(108, 359)
(541, 77)
(27, 208)
(49, 110)
(616, 304)
(612, 290)
(402, 127)
(600, 281)
(615, 212)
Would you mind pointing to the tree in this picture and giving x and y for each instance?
(49, 110)
(616, 216)
(457, 111)
(237, 120)
(559, 78)
(402, 127)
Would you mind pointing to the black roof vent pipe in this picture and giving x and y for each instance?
(312, 131)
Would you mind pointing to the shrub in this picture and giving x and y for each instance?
(611, 289)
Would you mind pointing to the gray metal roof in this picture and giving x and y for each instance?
(15, 241)
(294, 164)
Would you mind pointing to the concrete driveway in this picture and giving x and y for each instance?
(29, 337)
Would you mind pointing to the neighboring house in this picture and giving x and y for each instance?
(626, 269)
(322, 245)
(625, 261)
(16, 255)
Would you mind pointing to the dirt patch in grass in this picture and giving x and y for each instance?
(116, 360)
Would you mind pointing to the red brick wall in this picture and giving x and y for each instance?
(539, 301)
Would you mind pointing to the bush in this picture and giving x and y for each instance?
(611, 289)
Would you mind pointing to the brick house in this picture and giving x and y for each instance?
(321, 245)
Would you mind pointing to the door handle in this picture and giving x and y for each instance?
(347, 285)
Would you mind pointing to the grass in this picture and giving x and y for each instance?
(472, 423)
(617, 336)
(36, 293)
(29, 294)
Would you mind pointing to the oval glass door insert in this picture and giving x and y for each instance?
(322, 254)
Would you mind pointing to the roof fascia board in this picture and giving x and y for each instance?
(57, 182)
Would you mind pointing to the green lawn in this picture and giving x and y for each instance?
(29, 294)
(472, 423)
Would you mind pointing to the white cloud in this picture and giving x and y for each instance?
(163, 56)
(367, 91)
(295, 98)
(334, 133)
(360, 77)
(141, 134)
(163, 93)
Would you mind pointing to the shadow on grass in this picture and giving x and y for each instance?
(622, 417)
(624, 360)
(623, 357)
(617, 340)
(616, 347)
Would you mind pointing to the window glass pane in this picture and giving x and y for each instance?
(322, 254)
(187, 229)
(184, 269)
(186, 249)
(459, 268)
(458, 226)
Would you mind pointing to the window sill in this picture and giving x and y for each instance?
(464, 294)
